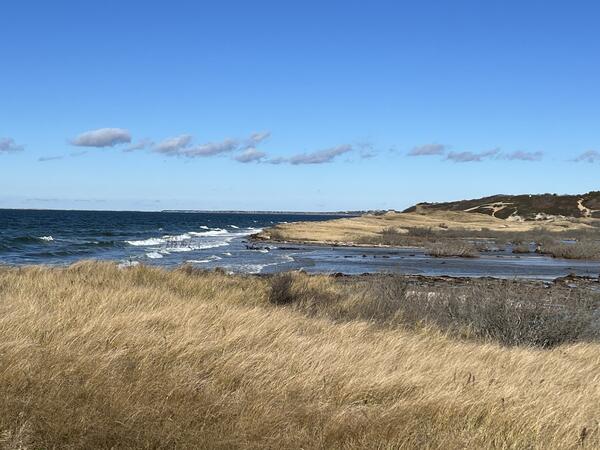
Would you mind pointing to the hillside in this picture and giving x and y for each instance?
(523, 207)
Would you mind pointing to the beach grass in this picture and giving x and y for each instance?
(399, 228)
(448, 234)
(93, 356)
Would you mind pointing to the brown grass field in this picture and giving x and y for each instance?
(447, 233)
(367, 229)
(93, 356)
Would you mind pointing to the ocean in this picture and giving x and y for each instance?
(158, 238)
(211, 240)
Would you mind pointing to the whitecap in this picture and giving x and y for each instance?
(126, 264)
(147, 242)
(251, 268)
(178, 237)
(198, 246)
(233, 226)
(215, 232)
(46, 238)
(203, 261)
(154, 255)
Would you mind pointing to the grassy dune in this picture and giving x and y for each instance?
(368, 228)
(447, 233)
(93, 356)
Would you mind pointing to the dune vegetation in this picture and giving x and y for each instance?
(93, 356)
(369, 228)
(449, 233)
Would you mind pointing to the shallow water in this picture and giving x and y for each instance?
(416, 262)
(210, 240)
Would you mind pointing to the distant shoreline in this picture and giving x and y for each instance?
(300, 213)
(194, 211)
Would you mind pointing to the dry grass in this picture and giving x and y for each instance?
(521, 248)
(576, 250)
(448, 233)
(452, 249)
(96, 357)
(368, 228)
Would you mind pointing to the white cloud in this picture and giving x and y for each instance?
(321, 156)
(428, 150)
(8, 145)
(590, 156)
(250, 155)
(461, 157)
(104, 137)
(212, 148)
(256, 138)
(182, 146)
(173, 146)
(524, 156)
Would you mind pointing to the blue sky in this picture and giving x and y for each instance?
(295, 105)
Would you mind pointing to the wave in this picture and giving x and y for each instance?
(147, 242)
(197, 246)
(154, 255)
(233, 226)
(178, 237)
(203, 261)
(30, 239)
(16, 243)
(249, 268)
(189, 238)
(215, 232)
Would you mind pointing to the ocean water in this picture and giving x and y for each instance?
(158, 238)
(210, 240)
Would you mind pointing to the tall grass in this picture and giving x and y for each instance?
(455, 242)
(96, 357)
(452, 248)
(576, 250)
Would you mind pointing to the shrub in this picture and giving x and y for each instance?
(421, 232)
(452, 248)
(521, 248)
(275, 234)
(577, 250)
(391, 236)
(511, 313)
(281, 289)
